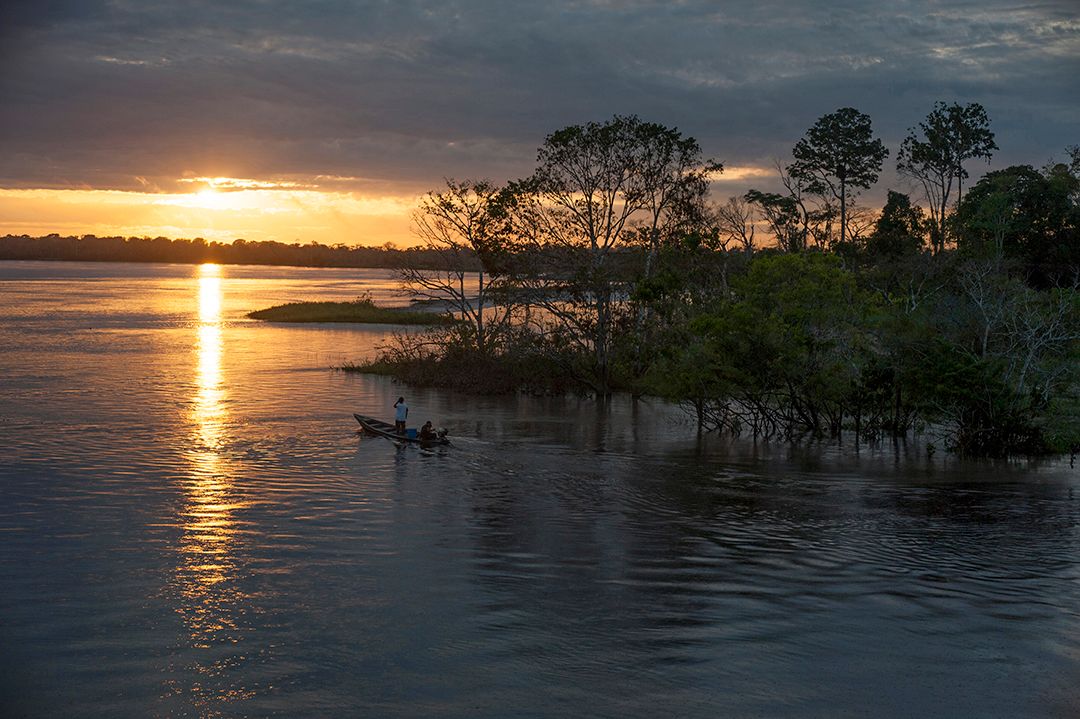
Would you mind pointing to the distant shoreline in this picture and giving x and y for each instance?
(143, 250)
(195, 263)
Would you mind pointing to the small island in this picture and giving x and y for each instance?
(361, 310)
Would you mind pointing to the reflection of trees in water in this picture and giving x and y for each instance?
(619, 423)
(594, 564)
(683, 559)
(1005, 529)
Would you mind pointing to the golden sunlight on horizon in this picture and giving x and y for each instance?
(211, 199)
(221, 209)
(225, 209)
(738, 173)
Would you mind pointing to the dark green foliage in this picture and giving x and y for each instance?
(1027, 216)
(620, 280)
(997, 362)
(783, 355)
(986, 418)
(688, 276)
(782, 213)
(900, 230)
(449, 359)
(598, 189)
(803, 345)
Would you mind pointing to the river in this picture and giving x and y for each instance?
(191, 527)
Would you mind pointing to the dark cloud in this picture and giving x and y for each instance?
(401, 93)
(18, 16)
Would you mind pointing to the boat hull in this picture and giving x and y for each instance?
(385, 429)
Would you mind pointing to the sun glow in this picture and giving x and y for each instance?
(242, 183)
(211, 199)
(738, 173)
(218, 210)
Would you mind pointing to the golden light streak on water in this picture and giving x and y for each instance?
(207, 518)
(209, 293)
(207, 566)
(209, 408)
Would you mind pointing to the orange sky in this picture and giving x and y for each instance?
(253, 213)
(225, 209)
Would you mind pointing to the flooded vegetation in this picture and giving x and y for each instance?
(362, 310)
(611, 268)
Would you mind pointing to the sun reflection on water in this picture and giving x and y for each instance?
(209, 409)
(209, 600)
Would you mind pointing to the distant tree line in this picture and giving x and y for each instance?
(90, 248)
(609, 268)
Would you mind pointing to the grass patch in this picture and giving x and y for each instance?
(361, 311)
(377, 366)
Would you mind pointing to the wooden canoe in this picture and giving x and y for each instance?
(385, 429)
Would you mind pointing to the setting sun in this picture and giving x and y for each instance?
(211, 200)
(223, 210)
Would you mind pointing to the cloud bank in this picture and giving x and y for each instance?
(388, 97)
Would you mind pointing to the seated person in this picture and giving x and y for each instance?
(427, 432)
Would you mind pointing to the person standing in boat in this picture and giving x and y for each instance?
(401, 413)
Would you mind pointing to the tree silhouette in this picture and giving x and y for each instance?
(460, 232)
(599, 188)
(837, 157)
(950, 136)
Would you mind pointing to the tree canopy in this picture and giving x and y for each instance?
(1027, 216)
(598, 187)
(837, 157)
(934, 156)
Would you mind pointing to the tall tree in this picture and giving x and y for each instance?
(597, 187)
(673, 181)
(935, 156)
(783, 216)
(838, 157)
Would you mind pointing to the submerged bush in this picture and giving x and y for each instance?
(448, 358)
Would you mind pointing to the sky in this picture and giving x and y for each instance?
(326, 120)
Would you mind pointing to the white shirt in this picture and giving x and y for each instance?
(402, 412)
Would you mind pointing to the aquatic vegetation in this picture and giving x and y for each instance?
(362, 310)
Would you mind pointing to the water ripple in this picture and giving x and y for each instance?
(190, 525)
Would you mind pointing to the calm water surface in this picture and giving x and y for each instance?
(190, 527)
